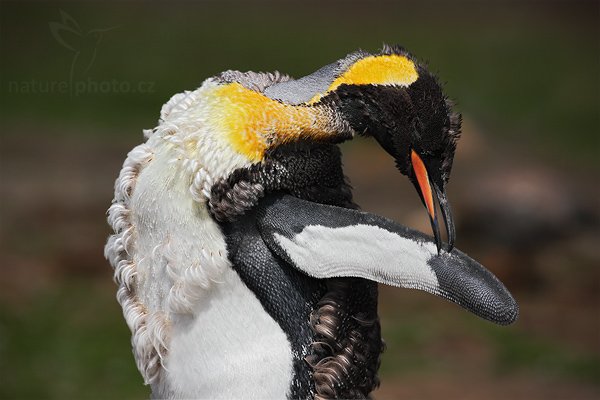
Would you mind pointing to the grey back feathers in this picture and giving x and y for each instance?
(281, 87)
(302, 90)
(257, 81)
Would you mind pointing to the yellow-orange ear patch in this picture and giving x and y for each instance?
(392, 69)
(251, 120)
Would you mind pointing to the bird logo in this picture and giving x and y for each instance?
(239, 252)
(83, 44)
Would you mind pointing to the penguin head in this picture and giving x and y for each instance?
(389, 96)
(402, 105)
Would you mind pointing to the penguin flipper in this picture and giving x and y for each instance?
(326, 241)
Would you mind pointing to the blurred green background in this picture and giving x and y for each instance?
(79, 80)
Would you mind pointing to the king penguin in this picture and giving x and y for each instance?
(244, 268)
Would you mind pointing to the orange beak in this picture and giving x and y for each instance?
(423, 180)
(426, 191)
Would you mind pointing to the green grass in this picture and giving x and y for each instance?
(518, 351)
(70, 342)
(427, 344)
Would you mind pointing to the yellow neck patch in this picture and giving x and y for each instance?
(390, 69)
(253, 122)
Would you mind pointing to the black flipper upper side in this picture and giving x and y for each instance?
(326, 241)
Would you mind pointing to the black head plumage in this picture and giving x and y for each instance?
(414, 123)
